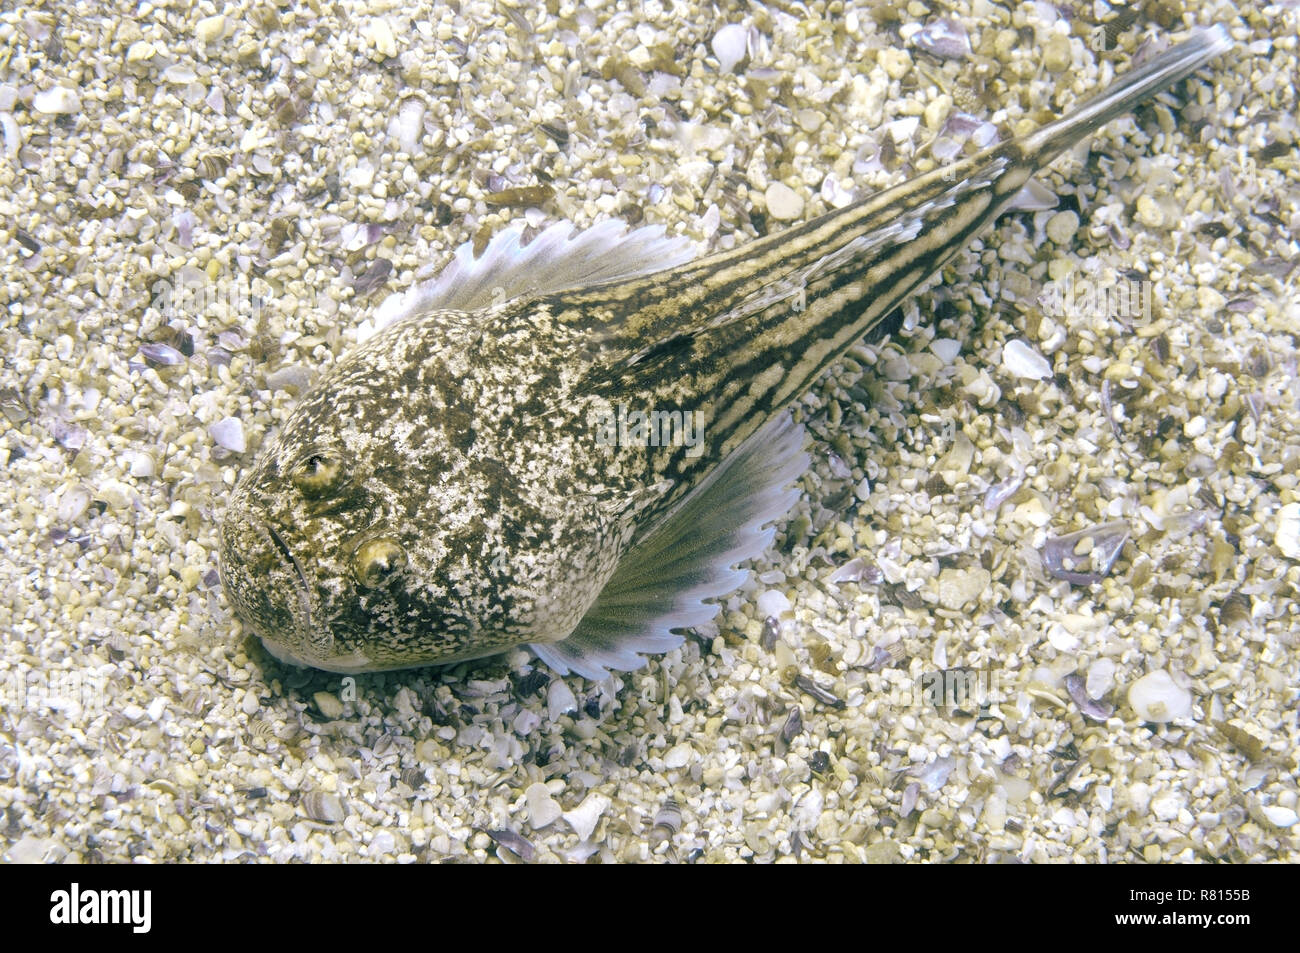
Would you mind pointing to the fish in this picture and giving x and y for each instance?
(574, 443)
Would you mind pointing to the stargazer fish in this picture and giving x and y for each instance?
(572, 444)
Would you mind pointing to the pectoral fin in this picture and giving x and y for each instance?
(663, 583)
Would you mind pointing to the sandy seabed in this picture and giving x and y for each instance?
(199, 208)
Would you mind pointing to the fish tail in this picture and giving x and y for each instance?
(1126, 92)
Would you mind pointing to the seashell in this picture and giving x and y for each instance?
(323, 807)
(1249, 739)
(73, 504)
(260, 728)
(161, 355)
(229, 434)
(515, 843)
(771, 632)
(1024, 362)
(1235, 609)
(667, 822)
(1157, 698)
(851, 571)
(943, 37)
(1096, 710)
(1101, 544)
(560, 700)
(730, 44)
(935, 774)
(410, 124)
(374, 276)
(584, 818)
(999, 493)
(1280, 816)
(212, 165)
(911, 794)
(793, 726)
(414, 778)
(806, 684)
(556, 130)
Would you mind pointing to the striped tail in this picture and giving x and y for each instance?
(748, 330)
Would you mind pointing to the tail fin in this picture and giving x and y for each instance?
(1130, 89)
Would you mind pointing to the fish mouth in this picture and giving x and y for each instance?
(301, 618)
(270, 593)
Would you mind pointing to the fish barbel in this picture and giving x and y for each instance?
(571, 444)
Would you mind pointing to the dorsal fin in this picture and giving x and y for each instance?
(557, 258)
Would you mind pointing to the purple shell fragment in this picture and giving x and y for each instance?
(161, 355)
(373, 276)
(1096, 710)
(943, 37)
(515, 843)
(1061, 556)
(999, 493)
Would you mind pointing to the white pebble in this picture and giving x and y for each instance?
(1157, 698)
(229, 433)
(678, 755)
(60, 99)
(902, 130)
(773, 602)
(542, 808)
(1101, 676)
(729, 46)
(380, 34)
(525, 722)
(1062, 226)
(1062, 639)
(140, 463)
(210, 28)
(329, 706)
(1287, 537)
(1024, 362)
(410, 124)
(783, 202)
(1280, 816)
(1166, 807)
(945, 349)
(72, 504)
(585, 816)
(559, 699)
(132, 712)
(156, 708)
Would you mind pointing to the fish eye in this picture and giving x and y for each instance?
(318, 474)
(377, 561)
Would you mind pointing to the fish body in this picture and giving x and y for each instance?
(571, 444)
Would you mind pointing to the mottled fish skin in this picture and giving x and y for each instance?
(441, 493)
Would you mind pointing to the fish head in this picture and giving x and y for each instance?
(380, 530)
